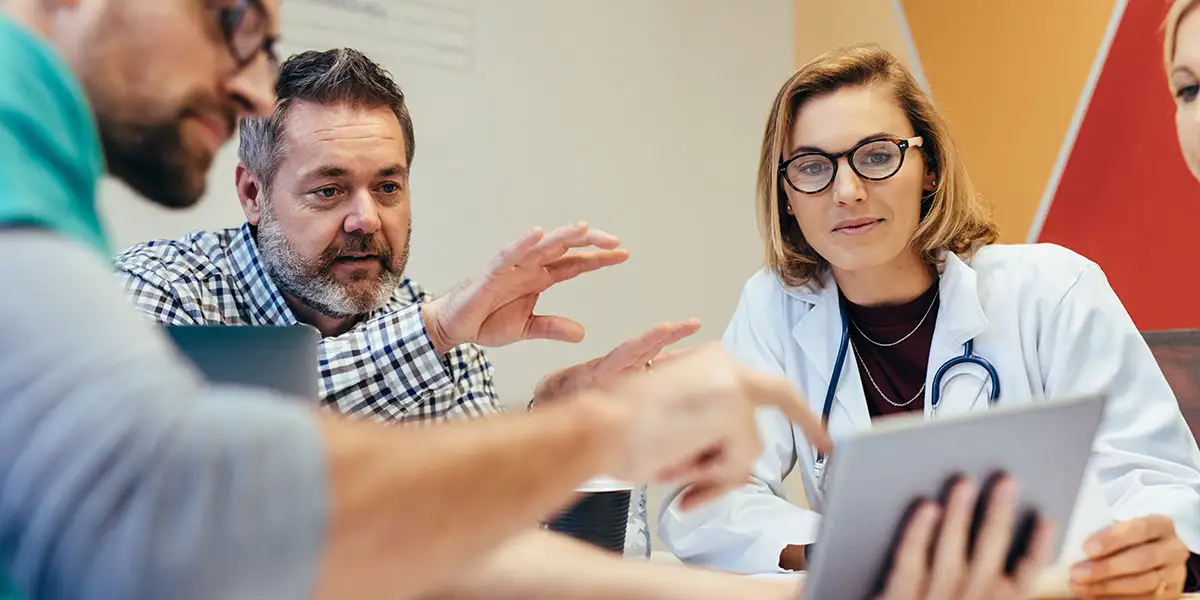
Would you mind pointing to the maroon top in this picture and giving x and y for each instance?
(894, 373)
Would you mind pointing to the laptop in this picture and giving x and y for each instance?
(283, 359)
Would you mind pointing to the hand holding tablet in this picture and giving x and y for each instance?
(893, 525)
(951, 550)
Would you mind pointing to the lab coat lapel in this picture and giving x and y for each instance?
(960, 318)
(819, 334)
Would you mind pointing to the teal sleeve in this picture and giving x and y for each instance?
(6, 590)
(50, 154)
(124, 476)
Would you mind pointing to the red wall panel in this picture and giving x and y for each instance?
(1126, 199)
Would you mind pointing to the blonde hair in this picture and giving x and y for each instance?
(956, 220)
(1179, 9)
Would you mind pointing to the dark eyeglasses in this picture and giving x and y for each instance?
(245, 29)
(877, 159)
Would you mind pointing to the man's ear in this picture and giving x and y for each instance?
(250, 194)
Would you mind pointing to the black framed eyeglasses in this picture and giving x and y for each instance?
(245, 27)
(876, 159)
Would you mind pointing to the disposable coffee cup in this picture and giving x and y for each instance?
(599, 515)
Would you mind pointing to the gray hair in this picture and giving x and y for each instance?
(342, 75)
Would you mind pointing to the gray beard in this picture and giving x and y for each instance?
(313, 284)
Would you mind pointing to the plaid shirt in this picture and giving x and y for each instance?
(384, 369)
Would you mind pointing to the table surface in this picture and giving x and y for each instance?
(664, 557)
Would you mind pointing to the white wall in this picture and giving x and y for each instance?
(642, 117)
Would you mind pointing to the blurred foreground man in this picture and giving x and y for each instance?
(122, 475)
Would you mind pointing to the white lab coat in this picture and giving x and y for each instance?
(1048, 321)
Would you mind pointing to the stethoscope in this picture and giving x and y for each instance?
(968, 357)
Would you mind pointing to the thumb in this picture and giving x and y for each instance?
(702, 493)
(769, 390)
(553, 328)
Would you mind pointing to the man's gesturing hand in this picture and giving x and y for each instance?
(496, 309)
(635, 354)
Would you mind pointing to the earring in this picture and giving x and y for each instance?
(789, 209)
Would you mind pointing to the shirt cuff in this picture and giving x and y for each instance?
(403, 342)
(1193, 577)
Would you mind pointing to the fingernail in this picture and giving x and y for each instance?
(966, 492)
(1092, 547)
(1008, 492)
(929, 513)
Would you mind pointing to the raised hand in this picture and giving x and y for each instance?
(497, 308)
(635, 354)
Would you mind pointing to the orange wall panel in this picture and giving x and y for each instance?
(1008, 75)
(822, 25)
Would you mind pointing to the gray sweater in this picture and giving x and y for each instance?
(122, 476)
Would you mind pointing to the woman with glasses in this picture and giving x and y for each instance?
(884, 294)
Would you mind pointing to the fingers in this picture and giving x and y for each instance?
(541, 327)
(770, 390)
(950, 559)
(1128, 534)
(635, 352)
(574, 265)
(1038, 557)
(689, 471)
(1141, 585)
(909, 572)
(1138, 570)
(580, 235)
(669, 333)
(539, 247)
(727, 464)
(994, 539)
(718, 471)
(628, 353)
(700, 494)
(1136, 555)
(1149, 557)
(674, 356)
(513, 252)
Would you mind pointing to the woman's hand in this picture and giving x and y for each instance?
(1142, 558)
(935, 559)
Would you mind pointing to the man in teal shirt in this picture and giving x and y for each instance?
(122, 475)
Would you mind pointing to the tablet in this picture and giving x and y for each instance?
(281, 358)
(876, 477)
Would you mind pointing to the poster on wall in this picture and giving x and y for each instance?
(1124, 197)
(430, 33)
(1063, 113)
